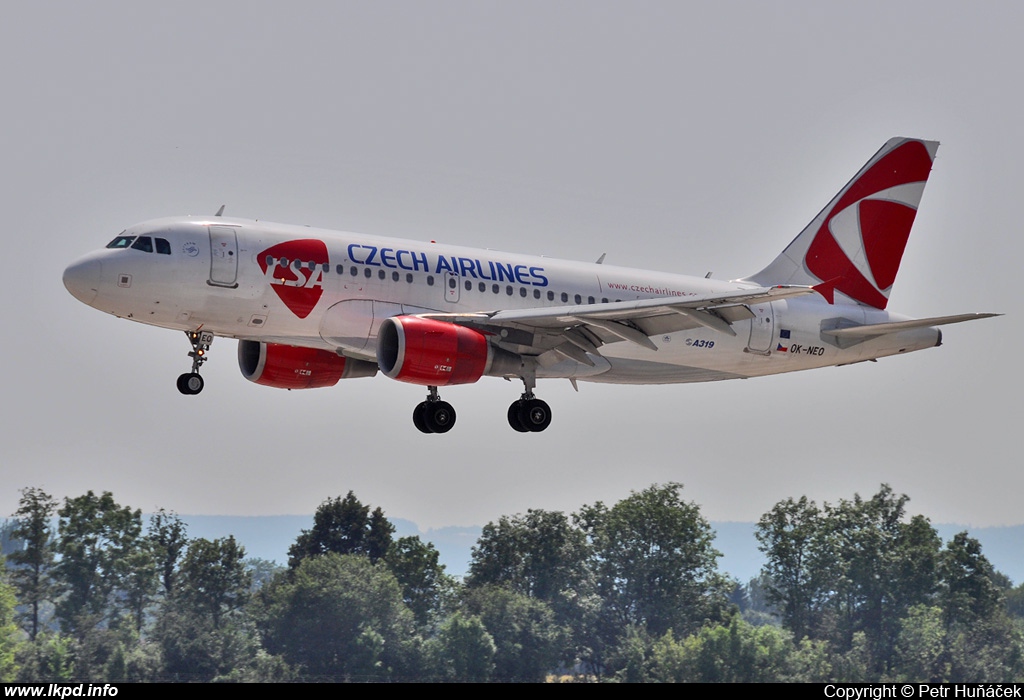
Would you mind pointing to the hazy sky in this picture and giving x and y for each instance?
(672, 135)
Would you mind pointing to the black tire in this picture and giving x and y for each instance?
(513, 417)
(182, 387)
(440, 416)
(535, 415)
(419, 417)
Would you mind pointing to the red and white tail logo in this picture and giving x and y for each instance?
(858, 240)
(296, 273)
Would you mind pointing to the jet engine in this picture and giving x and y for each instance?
(434, 353)
(290, 367)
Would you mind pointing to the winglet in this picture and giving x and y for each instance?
(220, 212)
(827, 289)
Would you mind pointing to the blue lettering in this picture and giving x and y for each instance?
(442, 264)
(387, 257)
(373, 253)
(519, 274)
(480, 269)
(419, 259)
(398, 259)
(352, 253)
(505, 272)
(466, 265)
(538, 274)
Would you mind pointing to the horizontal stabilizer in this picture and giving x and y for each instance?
(897, 326)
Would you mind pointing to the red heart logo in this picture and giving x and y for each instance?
(297, 275)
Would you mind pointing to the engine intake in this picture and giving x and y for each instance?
(291, 367)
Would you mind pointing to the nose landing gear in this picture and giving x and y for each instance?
(191, 382)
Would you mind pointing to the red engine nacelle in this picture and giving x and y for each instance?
(431, 353)
(290, 367)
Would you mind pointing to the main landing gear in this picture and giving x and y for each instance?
(529, 414)
(191, 383)
(433, 415)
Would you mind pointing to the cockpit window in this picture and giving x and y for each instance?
(121, 241)
(163, 246)
(144, 243)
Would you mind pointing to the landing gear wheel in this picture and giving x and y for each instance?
(534, 414)
(419, 417)
(513, 417)
(439, 416)
(190, 384)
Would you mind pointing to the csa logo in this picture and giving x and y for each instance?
(296, 274)
(862, 239)
(190, 248)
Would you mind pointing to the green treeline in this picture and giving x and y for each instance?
(852, 591)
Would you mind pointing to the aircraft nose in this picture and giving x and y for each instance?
(82, 278)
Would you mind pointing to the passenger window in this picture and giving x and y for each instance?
(394, 276)
(508, 289)
(522, 292)
(340, 269)
(483, 287)
(495, 289)
(579, 299)
(144, 243)
(408, 277)
(354, 271)
(565, 298)
(551, 295)
(367, 273)
(381, 274)
(536, 294)
(469, 286)
(270, 261)
(590, 300)
(163, 246)
(430, 280)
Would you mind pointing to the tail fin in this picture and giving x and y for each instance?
(857, 241)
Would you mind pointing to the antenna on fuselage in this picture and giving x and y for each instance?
(221, 210)
(708, 276)
(601, 259)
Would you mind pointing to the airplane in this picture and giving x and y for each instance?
(310, 307)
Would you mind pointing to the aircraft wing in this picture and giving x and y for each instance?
(573, 331)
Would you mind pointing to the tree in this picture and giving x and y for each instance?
(343, 526)
(656, 566)
(796, 573)
(214, 578)
(969, 591)
(169, 538)
(8, 629)
(540, 554)
(338, 616)
(32, 563)
(463, 649)
(95, 538)
(886, 566)
(528, 640)
(426, 589)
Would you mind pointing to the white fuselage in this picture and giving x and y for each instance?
(242, 279)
